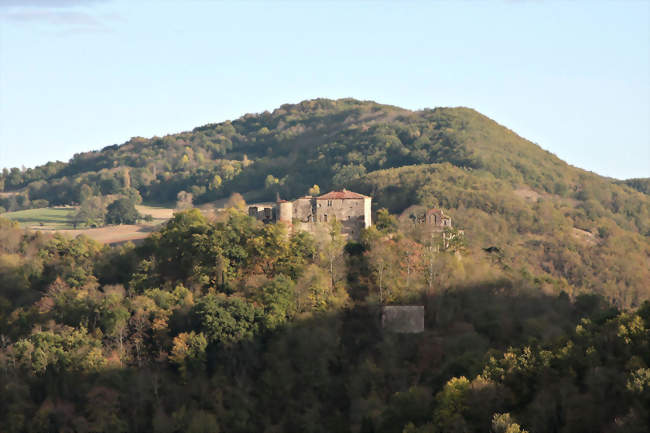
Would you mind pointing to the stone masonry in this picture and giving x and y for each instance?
(307, 213)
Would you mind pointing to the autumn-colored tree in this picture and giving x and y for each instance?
(410, 255)
(236, 201)
(188, 352)
(330, 243)
(314, 191)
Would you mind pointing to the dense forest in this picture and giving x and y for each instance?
(575, 230)
(231, 325)
(537, 319)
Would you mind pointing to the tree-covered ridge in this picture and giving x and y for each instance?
(227, 324)
(321, 142)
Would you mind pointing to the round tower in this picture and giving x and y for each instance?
(285, 211)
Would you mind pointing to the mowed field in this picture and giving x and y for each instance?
(49, 218)
(58, 220)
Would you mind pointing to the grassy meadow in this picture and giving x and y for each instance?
(53, 218)
(59, 219)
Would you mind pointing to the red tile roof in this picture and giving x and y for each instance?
(333, 195)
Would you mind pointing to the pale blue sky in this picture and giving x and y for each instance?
(77, 75)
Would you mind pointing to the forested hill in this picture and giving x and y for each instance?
(320, 141)
(571, 229)
(535, 319)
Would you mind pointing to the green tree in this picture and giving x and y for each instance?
(330, 245)
(85, 192)
(122, 211)
(451, 404)
(386, 223)
(226, 320)
(503, 423)
(132, 193)
(271, 182)
(92, 212)
(279, 300)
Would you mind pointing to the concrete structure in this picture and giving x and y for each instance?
(403, 319)
(307, 213)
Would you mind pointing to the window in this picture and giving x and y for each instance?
(329, 202)
(325, 218)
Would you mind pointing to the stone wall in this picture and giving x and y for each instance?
(404, 319)
(303, 209)
(307, 213)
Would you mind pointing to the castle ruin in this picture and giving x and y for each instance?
(351, 209)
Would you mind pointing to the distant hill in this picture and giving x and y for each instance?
(568, 228)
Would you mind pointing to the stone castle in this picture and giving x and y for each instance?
(351, 209)
(307, 213)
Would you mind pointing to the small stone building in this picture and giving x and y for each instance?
(403, 319)
(266, 214)
(436, 217)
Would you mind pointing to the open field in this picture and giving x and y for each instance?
(49, 218)
(157, 212)
(114, 234)
(58, 220)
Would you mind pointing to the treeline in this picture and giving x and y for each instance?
(231, 325)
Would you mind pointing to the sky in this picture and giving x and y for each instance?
(78, 75)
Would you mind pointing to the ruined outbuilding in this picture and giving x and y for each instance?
(431, 223)
(437, 218)
(403, 319)
(433, 218)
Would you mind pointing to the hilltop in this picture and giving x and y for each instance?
(319, 141)
(568, 229)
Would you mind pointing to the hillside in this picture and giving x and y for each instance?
(231, 325)
(570, 229)
(320, 141)
(537, 320)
